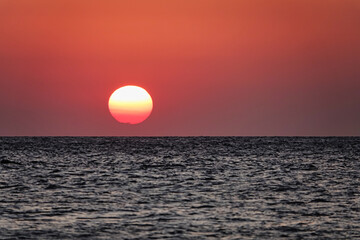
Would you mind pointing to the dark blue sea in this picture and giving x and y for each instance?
(179, 188)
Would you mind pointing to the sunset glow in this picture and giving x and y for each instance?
(212, 67)
(130, 104)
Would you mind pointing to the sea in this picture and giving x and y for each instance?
(180, 188)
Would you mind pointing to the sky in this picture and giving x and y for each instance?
(212, 67)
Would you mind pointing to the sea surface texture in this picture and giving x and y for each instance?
(179, 188)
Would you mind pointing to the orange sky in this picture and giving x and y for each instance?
(212, 67)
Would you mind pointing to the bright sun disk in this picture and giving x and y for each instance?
(130, 104)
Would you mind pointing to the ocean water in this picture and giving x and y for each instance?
(179, 188)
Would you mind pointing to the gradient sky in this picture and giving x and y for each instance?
(212, 67)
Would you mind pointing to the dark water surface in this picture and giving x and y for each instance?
(179, 188)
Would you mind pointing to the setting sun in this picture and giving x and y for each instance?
(130, 104)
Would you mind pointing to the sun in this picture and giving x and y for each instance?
(130, 104)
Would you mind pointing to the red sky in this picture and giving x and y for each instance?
(213, 67)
